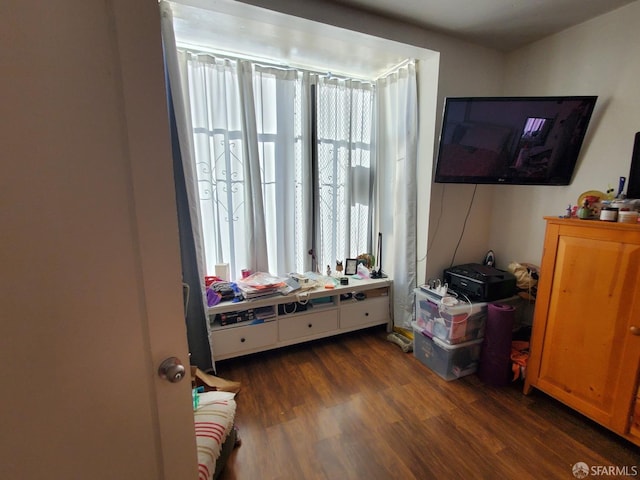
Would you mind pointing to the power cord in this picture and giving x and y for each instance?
(437, 227)
(303, 298)
(464, 225)
(443, 305)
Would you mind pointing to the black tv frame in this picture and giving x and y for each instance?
(504, 119)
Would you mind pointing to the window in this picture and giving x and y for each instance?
(344, 167)
(284, 164)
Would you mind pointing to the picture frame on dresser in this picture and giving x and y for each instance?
(351, 266)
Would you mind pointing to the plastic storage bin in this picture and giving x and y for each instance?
(448, 361)
(456, 324)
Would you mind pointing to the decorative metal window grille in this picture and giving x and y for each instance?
(284, 133)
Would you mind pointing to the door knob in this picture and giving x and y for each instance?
(171, 370)
(635, 330)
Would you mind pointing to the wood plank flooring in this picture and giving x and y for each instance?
(357, 407)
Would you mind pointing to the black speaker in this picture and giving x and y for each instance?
(633, 187)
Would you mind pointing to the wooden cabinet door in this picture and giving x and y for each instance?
(584, 354)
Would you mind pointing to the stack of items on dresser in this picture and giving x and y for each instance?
(255, 286)
(219, 290)
(260, 285)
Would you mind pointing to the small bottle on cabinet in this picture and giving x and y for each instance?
(609, 214)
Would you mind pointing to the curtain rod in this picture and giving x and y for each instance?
(396, 67)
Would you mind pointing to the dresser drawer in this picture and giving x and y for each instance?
(307, 324)
(369, 311)
(227, 342)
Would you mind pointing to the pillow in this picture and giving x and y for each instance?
(486, 137)
(215, 396)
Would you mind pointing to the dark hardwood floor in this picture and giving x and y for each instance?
(357, 407)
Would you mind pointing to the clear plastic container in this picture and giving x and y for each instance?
(447, 361)
(452, 324)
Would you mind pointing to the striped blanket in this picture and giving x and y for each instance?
(213, 421)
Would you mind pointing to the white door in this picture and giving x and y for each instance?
(90, 282)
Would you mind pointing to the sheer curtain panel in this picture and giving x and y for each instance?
(253, 166)
(193, 260)
(345, 110)
(282, 106)
(397, 184)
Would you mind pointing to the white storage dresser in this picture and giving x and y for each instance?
(241, 328)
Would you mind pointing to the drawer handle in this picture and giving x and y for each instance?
(310, 325)
(635, 330)
(366, 314)
(242, 340)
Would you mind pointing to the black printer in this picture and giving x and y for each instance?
(481, 283)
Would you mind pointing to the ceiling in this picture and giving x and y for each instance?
(503, 25)
(240, 29)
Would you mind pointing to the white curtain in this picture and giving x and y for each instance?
(251, 174)
(253, 188)
(182, 112)
(397, 184)
(260, 201)
(282, 99)
(345, 120)
(178, 82)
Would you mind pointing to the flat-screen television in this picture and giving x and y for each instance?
(512, 140)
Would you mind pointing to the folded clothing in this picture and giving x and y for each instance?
(519, 358)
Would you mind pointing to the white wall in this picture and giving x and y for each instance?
(599, 57)
(465, 70)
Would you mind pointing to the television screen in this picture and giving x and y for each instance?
(512, 140)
